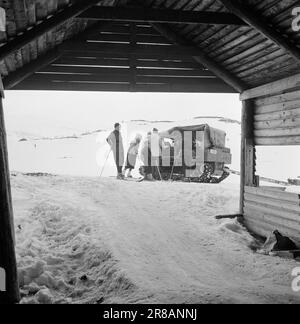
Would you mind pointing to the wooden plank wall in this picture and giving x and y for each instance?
(268, 209)
(277, 119)
(276, 108)
(240, 49)
(7, 248)
(23, 14)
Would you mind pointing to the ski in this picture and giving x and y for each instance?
(141, 179)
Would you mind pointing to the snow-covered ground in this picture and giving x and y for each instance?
(89, 240)
(85, 239)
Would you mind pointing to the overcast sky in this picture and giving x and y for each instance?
(35, 111)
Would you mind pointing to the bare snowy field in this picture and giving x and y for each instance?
(88, 240)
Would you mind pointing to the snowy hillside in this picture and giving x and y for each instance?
(83, 153)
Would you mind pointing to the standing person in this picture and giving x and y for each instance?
(156, 149)
(146, 171)
(116, 143)
(132, 154)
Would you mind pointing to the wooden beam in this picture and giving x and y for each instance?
(126, 49)
(200, 87)
(7, 245)
(95, 70)
(26, 71)
(140, 54)
(272, 88)
(125, 38)
(122, 77)
(278, 141)
(140, 15)
(247, 150)
(98, 61)
(203, 59)
(34, 66)
(47, 25)
(260, 23)
(219, 217)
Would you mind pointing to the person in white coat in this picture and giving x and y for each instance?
(156, 150)
(132, 155)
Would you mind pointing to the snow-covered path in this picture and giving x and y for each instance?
(139, 242)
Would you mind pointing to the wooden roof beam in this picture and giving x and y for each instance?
(200, 57)
(47, 25)
(26, 71)
(207, 87)
(14, 78)
(100, 49)
(143, 14)
(253, 19)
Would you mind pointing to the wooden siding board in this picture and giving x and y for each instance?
(241, 50)
(267, 210)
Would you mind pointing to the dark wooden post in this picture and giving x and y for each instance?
(248, 153)
(7, 244)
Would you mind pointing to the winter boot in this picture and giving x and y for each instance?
(120, 176)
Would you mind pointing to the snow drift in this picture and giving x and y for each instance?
(89, 240)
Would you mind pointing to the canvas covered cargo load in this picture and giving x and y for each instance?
(213, 137)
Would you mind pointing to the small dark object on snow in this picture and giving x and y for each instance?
(229, 216)
(84, 278)
(283, 243)
(20, 227)
(100, 301)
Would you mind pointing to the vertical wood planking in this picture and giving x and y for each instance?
(7, 245)
(247, 150)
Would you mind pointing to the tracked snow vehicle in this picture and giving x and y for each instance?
(193, 154)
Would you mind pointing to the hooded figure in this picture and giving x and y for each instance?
(132, 154)
(116, 143)
(156, 151)
(146, 155)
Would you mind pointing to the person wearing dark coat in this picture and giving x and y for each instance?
(116, 143)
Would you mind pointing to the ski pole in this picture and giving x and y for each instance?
(161, 179)
(104, 165)
(173, 167)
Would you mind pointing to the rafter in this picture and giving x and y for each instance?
(49, 24)
(200, 57)
(26, 71)
(160, 51)
(261, 25)
(43, 61)
(143, 14)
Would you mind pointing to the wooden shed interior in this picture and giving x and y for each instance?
(216, 46)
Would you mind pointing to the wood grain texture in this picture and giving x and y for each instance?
(242, 51)
(7, 245)
(267, 210)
